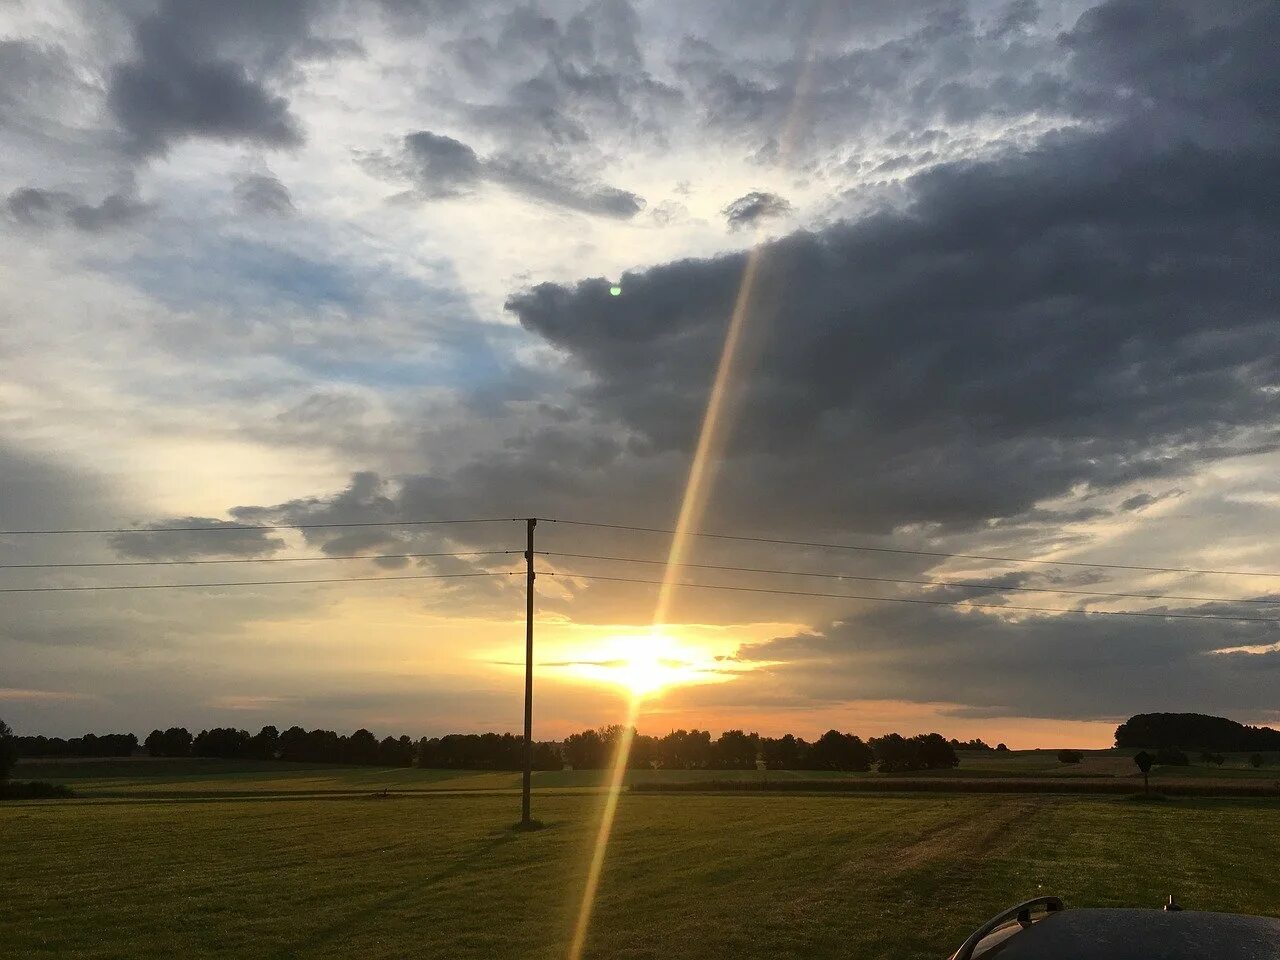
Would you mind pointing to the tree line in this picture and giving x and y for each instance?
(739, 750)
(591, 749)
(90, 745)
(1194, 731)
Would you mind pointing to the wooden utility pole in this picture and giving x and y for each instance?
(528, 676)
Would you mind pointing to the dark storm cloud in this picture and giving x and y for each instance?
(1075, 666)
(180, 545)
(264, 195)
(441, 166)
(202, 70)
(751, 208)
(32, 206)
(1094, 311)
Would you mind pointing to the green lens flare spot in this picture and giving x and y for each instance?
(615, 291)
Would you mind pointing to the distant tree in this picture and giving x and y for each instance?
(265, 744)
(782, 753)
(585, 750)
(685, 750)
(1195, 730)
(174, 742)
(1070, 756)
(8, 751)
(1171, 757)
(736, 750)
(895, 753)
(1001, 748)
(1256, 761)
(936, 753)
(644, 752)
(395, 752)
(226, 743)
(838, 751)
(361, 748)
(546, 756)
(1145, 761)
(292, 745)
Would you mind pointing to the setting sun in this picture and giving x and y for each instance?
(646, 664)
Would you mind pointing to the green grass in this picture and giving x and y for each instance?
(742, 876)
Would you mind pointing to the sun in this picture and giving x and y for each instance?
(646, 664)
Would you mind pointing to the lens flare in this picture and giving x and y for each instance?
(711, 441)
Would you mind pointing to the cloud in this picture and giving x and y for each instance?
(32, 206)
(1083, 314)
(441, 166)
(203, 71)
(179, 545)
(1078, 667)
(749, 209)
(263, 194)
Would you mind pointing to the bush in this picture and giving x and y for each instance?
(1256, 761)
(1172, 757)
(1070, 756)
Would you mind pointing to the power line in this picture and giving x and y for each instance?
(180, 563)
(916, 553)
(935, 603)
(254, 583)
(930, 583)
(261, 526)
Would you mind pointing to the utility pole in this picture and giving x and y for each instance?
(525, 820)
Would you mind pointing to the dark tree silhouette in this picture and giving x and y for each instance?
(1195, 730)
(736, 750)
(1070, 756)
(8, 751)
(898, 754)
(89, 745)
(1145, 761)
(226, 743)
(264, 744)
(782, 753)
(174, 742)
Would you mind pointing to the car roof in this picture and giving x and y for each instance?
(1128, 934)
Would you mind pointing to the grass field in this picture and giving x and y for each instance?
(185, 778)
(440, 874)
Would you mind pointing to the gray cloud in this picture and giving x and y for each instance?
(1092, 311)
(263, 194)
(33, 206)
(441, 166)
(1080, 667)
(751, 208)
(202, 70)
(178, 545)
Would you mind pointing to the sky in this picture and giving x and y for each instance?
(1010, 291)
